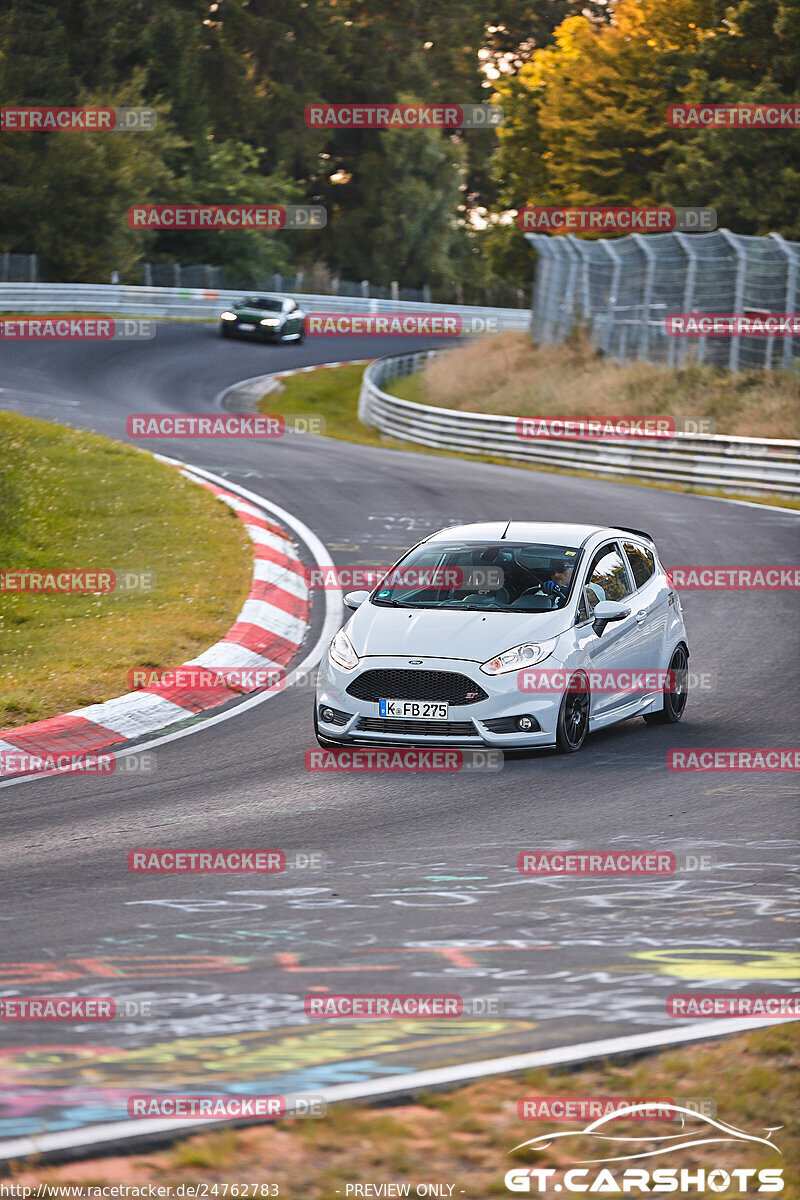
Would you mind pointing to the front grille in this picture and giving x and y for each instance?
(394, 684)
(391, 725)
(509, 725)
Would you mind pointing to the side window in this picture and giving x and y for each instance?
(642, 561)
(608, 576)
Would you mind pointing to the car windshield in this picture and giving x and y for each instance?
(262, 302)
(488, 576)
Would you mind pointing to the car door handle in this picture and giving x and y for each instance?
(641, 616)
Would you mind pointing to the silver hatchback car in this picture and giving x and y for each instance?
(507, 634)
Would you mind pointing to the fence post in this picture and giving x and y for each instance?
(426, 293)
(34, 263)
(395, 290)
(6, 265)
(614, 255)
(580, 249)
(176, 275)
(148, 274)
(791, 292)
(647, 298)
(738, 301)
(685, 243)
(365, 288)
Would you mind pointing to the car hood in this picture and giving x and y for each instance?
(447, 633)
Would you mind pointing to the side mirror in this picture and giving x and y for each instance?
(355, 599)
(607, 611)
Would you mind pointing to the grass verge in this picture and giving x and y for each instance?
(464, 1137)
(70, 499)
(333, 395)
(505, 373)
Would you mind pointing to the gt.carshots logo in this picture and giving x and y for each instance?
(697, 1129)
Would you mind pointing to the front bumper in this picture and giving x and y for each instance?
(466, 724)
(261, 333)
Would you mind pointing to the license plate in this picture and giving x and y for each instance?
(244, 325)
(414, 710)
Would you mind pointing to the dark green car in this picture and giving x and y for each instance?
(265, 318)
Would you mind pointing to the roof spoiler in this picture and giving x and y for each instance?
(638, 532)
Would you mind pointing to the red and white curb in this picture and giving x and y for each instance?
(267, 635)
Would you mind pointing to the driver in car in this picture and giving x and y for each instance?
(558, 584)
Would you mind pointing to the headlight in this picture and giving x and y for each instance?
(227, 316)
(342, 652)
(270, 321)
(526, 655)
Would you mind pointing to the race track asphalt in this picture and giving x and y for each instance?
(420, 892)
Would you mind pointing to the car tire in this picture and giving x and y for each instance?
(326, 743)
(573, 718)
(674, 702)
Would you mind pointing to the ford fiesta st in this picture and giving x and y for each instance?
(507, 634)
(266, 318)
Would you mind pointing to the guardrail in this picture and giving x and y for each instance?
(737, 464)
(207, 303)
